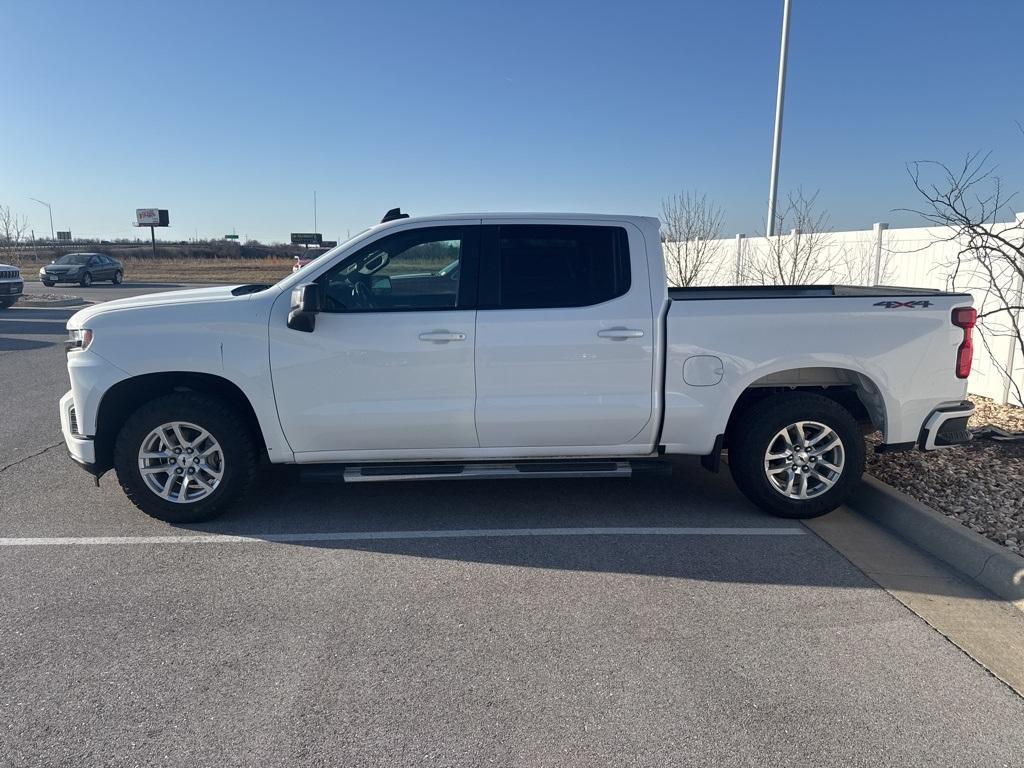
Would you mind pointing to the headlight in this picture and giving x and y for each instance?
(78, 340)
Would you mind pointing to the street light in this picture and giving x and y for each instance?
(52, 236)
(777, 140)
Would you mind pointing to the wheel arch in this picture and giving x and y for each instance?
(128, 395)
(852, 389)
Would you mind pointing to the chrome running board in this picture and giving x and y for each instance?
(498, 470)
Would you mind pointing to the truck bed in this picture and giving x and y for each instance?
(895, 347)
(717, 292)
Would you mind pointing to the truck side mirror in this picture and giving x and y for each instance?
(306, 301)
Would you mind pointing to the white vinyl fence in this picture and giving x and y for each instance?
(920, 257)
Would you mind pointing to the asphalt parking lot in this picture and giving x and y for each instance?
(448, 624)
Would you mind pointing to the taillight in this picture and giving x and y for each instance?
(966, 318)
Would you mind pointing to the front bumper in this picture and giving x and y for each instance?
(61, 278)
(81, 448)
(946, 426)
(11, 288)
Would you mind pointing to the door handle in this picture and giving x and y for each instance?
(620, 334)
(441, 337)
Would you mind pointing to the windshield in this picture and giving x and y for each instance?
(310, 258)
(74, 258)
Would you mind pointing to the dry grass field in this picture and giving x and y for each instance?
(186, 270)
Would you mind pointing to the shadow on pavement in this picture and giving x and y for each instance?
(30, 321)
(22, 345)
(690, 498)
(19, 313)
(32, 327)
(66, 504)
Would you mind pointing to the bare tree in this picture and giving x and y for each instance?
(806, 256)
(969, 203)
(856, 264)
(12, 231)
(691, 231)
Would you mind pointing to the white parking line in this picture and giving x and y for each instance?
(472, 533)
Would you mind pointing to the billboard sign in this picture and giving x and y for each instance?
(63, 235)
(152, 217)
(306, 238)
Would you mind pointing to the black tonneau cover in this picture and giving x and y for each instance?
(799, 292)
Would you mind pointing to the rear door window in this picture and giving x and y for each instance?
(551, 266)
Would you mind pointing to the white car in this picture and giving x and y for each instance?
(11, 285)
(509, 345)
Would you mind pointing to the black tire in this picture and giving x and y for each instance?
(7, 303)
(756, 429)
(48, 285)
(86, 280)
(224, 424)
(118, 278)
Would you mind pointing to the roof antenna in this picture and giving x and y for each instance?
(393, 214)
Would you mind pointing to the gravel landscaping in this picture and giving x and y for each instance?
(49, 300)
(981, 484)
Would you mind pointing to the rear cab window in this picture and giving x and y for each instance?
(537, 266)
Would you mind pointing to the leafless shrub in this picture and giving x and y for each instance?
(859, 263)
(968, 201)
(800, 258)
(691, 228)
(12, 231)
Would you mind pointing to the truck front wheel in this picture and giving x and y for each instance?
(185, 457)
(796, 454)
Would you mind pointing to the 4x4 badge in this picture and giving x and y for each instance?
(903, 304)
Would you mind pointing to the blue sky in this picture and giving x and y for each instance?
(231, 114)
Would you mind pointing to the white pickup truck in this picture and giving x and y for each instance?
(508, 345)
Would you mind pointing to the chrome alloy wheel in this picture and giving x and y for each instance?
(804, 460)
(181, 462)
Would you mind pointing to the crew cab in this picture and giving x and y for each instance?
(509, 345)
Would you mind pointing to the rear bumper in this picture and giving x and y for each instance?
(946, 426)
(81, 448)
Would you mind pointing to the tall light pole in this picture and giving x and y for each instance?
(314, 211)
(779, 99)
(52, 236)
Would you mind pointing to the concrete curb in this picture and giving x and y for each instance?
(994, 567)
(75, 301)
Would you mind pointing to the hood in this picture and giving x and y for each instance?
(190, 296)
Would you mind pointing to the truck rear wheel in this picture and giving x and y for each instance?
(185, 457)
(796, 454)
